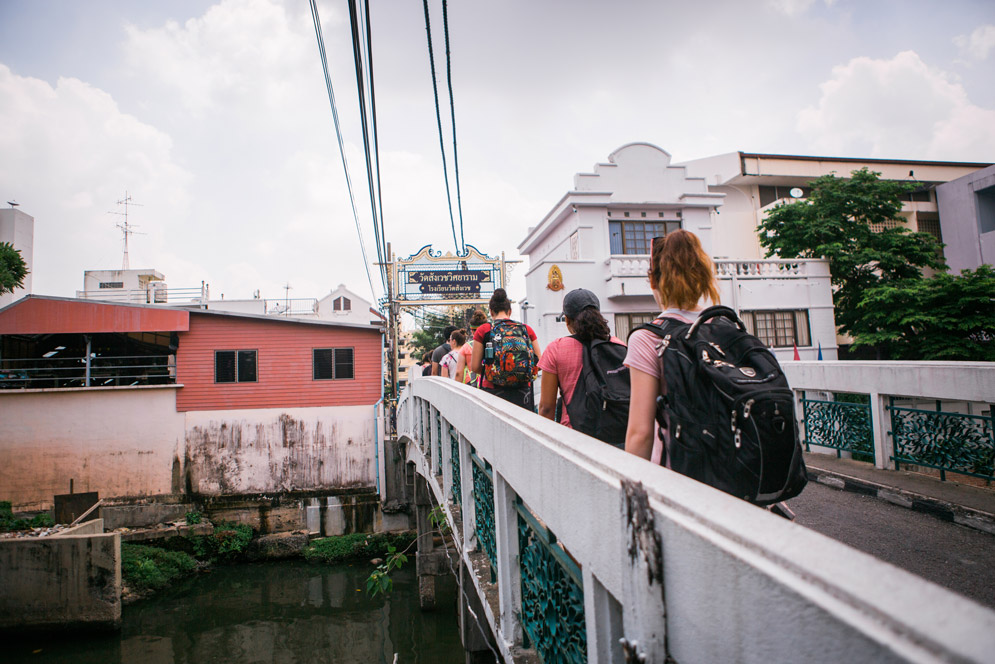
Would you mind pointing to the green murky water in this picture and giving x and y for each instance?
(286, 613)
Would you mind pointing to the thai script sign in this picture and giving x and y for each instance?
(432, 276)
(449, 282)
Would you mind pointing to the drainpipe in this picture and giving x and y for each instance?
(86, 382)
(376, 421)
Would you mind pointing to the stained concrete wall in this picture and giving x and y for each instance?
(122, 441)
(70, 581)
(280, 450)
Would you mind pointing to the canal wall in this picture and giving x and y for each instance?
(65, 581)
(130, 445)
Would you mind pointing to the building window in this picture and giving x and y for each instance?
(779, 329)
(986, 209)
(111, 284)
(635, 237)
(332, 363)
(234, 366)
(930, 224)
(626, 323)
(341, 303)
(770, 194)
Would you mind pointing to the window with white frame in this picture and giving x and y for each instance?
(779, 328)
(235, 366)
(626, 323)
(631, 236)
(333, 363)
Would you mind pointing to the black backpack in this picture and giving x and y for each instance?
(728, 408)
(599, 405)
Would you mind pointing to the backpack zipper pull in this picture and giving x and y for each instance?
(746, 409)
(739, 439)
(663, 346)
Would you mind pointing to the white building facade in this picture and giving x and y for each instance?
(598, 237)
(18, 229)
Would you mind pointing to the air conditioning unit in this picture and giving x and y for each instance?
(158, 292)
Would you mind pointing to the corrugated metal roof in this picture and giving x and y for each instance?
(44, 314)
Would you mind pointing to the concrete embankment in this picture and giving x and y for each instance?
(71, 580)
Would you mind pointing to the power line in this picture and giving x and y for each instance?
(438, 117)
(452, 113)
(338, 133)
(373, 114)
(361, 89)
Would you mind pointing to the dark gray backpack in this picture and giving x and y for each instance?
(728, 408)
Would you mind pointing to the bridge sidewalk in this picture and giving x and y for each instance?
(967, 505)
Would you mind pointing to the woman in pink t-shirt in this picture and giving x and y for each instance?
(563, 360)
(681, 276)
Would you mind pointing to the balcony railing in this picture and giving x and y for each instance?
(638, 266)
(152, 294)
(102, 371)
(292, 307)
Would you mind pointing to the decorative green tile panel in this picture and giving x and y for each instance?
(483, 502)
(949, 441)
(840, 425)
(552, 595)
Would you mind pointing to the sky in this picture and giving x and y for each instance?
(214, 118)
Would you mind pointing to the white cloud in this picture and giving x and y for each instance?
(897, 108)
(979, 43)
(795, 7)
(68, 153)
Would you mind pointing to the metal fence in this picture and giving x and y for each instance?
(843, 426)
(950, 442)
(101, 371)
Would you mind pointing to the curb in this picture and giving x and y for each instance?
(941, 509)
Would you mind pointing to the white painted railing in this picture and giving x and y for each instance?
(670, 566)
(154, 293)
(799, 268)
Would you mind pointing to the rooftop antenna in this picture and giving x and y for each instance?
(12, 204)
(126, 228)
(287, 288)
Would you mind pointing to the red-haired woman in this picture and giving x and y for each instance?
(682, 276)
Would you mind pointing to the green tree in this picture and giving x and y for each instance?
(429, 335)
(12, 268)
(945, 317)
(845, 221)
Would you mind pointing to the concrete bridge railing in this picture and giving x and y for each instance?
(930, 414)
(581, 552)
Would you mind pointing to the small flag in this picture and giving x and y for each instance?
(797, 356)
(820, 352)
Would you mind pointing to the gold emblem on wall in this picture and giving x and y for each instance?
(555, 279)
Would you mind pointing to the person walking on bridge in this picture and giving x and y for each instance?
(563, 360)
(508, 353)
(682, 276)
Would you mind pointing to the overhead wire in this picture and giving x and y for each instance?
(373, 117)
(452, 114)
(338, 133)
(360, 88)
(438, 117)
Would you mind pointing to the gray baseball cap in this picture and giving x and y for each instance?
(577, 300)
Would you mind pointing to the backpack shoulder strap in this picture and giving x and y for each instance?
(659, 327)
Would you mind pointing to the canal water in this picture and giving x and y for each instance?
(286, 613)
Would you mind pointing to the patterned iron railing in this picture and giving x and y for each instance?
(552, 594)
(483, 502)
(454, 461)
(950, 442)
(846, 427)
